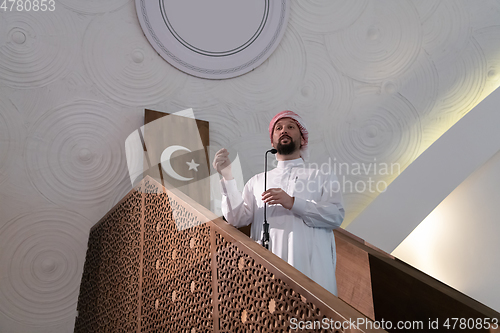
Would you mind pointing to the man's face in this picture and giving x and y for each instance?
(286, 136)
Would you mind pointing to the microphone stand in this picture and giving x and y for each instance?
(265, 234)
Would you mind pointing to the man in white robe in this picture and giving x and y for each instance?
(304, 204)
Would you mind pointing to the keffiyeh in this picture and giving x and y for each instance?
(300, 123)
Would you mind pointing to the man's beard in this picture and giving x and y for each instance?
(286, 149)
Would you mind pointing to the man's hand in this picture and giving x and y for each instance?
(222, 164)
(276, 196)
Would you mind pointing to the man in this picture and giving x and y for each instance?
(304, 204)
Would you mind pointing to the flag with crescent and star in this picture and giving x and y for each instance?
(173, 150)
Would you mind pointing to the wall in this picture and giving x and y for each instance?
(439, 215)
(458, 242)
(376, 81)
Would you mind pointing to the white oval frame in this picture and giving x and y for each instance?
(208, 64)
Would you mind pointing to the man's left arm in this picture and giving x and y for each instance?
(328, 212)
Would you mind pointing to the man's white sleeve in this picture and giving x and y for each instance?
(237, 208)
(328, 212)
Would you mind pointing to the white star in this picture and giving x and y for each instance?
(193, 165)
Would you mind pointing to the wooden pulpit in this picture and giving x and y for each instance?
(161, 262)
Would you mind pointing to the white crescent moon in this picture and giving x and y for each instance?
(165, 162)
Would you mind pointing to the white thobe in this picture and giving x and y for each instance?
(302, 236)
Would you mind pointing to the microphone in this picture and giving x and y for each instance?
(265, 234)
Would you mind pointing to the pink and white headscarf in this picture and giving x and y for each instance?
(302, 127)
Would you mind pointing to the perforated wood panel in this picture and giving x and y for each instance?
(177, 284)
(252, 299)
(109, 291)
(153, 266)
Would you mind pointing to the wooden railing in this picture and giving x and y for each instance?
(385, 288)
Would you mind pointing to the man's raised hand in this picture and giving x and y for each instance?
(222, 164)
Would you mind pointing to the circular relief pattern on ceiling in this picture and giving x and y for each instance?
(74, 154)
(265, 84)
(385, 42)
(379, 129)
(463, 83)
(93, 7)
(446, 32)
(42, 257)
(11, 133)
(327, 15)
(35, 49)
(323, 89)
(215, 39)
(123, 65)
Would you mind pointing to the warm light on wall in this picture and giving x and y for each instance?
(431, 247)
(418, 248)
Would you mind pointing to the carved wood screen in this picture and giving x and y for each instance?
(159, 262)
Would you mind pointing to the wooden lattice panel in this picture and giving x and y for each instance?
(177, 284)
(252, 299)
(108, 300)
